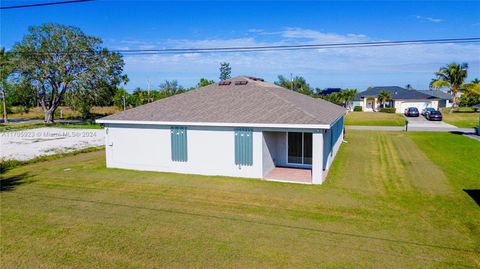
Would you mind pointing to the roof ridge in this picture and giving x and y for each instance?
(271, 91)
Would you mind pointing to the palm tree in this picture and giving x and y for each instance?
(384, 96)
(453, 76)
(348, 95)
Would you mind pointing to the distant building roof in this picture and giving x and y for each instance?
(330, 90)
(398, 93)
(244, 100)
(439, 94)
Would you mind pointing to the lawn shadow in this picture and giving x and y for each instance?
(474, 194)
(10, 183)
(462, 133)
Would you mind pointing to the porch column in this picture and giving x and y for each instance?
(317, 157)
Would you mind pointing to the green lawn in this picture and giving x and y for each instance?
(462, 119)
(374, 119)
(30, 125)
(392, 199)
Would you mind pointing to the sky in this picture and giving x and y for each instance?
(192, 24)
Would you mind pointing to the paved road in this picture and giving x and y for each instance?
(28, 144)
(417, 124)
(423, 122)
(412, 129)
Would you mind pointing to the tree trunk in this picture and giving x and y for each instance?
(454, 102)
(5, 116)
(49, 115)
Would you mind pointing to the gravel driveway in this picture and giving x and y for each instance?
(28, 144)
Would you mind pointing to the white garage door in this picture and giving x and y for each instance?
(418, 105)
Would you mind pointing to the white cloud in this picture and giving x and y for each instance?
(254, 30)
(320, 37)
(344, 67)
(428, 19)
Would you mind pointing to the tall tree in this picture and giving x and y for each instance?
(452, 76)
(171, 87)
(297, 83)
(225, 71)
(57, 58)
(6, 69)
(384, 96)
(22, 94)
(348, 95)
(471, 93)
(343, 98)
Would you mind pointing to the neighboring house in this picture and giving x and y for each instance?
(401, 99)
(243, 127)
(445, 99)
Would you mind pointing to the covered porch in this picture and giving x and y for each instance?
(300, 155)
(294, 156)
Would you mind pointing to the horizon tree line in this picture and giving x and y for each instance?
(55, 65)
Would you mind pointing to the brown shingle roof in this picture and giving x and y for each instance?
(255, 102)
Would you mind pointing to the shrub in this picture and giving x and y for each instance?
(388, 109)
(357, 108)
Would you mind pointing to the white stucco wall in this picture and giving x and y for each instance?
(318, 174)
(269, 151)
(401, 105)
(210, 150)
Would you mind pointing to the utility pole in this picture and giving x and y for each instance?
(124, 107)
(148, 92)
(291, 81)
(4, 98)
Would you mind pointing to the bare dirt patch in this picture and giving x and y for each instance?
(28, 144)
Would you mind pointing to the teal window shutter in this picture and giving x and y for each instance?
(178, 138)
(243, 146)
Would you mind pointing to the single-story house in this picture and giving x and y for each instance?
(401, 99)
(242, 127)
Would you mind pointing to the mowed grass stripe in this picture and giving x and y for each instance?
(422, 172)
(334, 239)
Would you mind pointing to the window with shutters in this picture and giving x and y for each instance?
(243, 146)
(179, 143)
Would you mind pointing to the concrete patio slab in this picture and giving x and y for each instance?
(291, 175)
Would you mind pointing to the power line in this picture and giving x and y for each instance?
(281, 47)
(47, 4)
(314, 46)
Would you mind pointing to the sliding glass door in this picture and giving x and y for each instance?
(299, 148)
